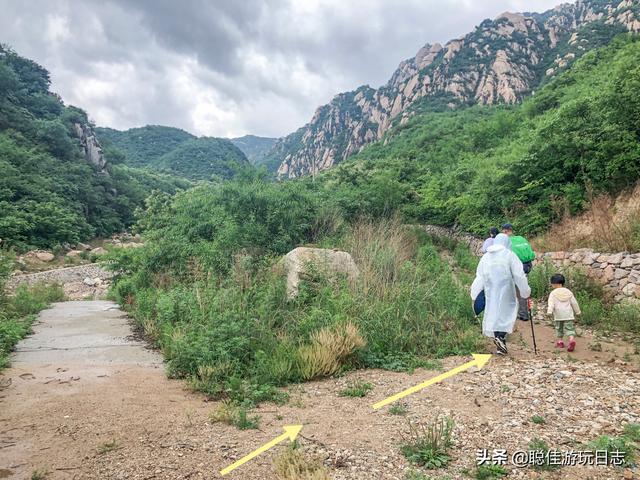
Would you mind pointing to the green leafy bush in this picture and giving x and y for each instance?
(614, 444)
(539, 445)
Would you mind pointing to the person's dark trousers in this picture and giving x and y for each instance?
(501, 335)
(523, 307)
(523, 304)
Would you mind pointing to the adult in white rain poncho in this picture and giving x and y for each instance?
(498, 274)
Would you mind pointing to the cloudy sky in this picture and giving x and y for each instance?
(228, 67)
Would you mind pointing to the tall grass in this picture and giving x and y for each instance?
(17, 312)
(236, 335)
(380, 249)
(609, 224)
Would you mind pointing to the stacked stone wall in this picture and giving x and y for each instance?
(618, 272)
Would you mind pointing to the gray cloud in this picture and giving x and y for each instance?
(228, 67)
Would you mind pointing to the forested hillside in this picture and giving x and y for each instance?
(55, 186)
(530, 163)
(143, 146)
(175, 151)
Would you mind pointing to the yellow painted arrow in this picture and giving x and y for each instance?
(479, 360)
(290, 432)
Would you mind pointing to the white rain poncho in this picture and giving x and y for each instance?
(498, 273)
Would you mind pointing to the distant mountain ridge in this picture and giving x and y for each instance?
(175, 151)
(501, 61)
(254, 147)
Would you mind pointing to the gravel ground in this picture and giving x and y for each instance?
(106, 417)
(83, 282)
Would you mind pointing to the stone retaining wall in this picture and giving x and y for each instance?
(619, 272)
(474, 243)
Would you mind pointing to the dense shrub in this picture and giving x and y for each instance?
(210, 293)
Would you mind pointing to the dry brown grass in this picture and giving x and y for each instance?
(150, 329)
(292, 464)
(380, 249)
(609, 224)
(224, 413)
(328, 349)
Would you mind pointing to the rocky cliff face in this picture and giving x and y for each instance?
(91, 146)
(499, 62)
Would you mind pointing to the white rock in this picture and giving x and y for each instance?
(45, 256)
(327, 262)
(626, 262)
(616, 258)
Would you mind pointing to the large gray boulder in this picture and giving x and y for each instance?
(331, 263)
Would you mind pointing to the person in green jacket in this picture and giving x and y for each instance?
(522, 248)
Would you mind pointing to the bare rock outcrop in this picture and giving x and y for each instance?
(90, 146)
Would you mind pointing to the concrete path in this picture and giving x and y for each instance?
(80, 334)
(79, 382)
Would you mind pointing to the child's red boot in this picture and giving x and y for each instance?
(559, 344)
(572, 346)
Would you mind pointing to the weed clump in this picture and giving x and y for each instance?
(292, 464)
(357, 389)
(109, 447)
(538, 419)
(235, 415)
(428, 446)
(490, 472)
(328, 350)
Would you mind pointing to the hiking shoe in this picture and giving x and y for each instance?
(559, 344)
(572, 346)
(501, 346)
(526, 319)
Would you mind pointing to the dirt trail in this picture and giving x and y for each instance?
(84, 400)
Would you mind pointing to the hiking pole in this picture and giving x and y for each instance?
(533, 333)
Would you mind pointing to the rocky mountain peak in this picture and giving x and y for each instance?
(500, 61)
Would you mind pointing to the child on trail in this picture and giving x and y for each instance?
(563, 306)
